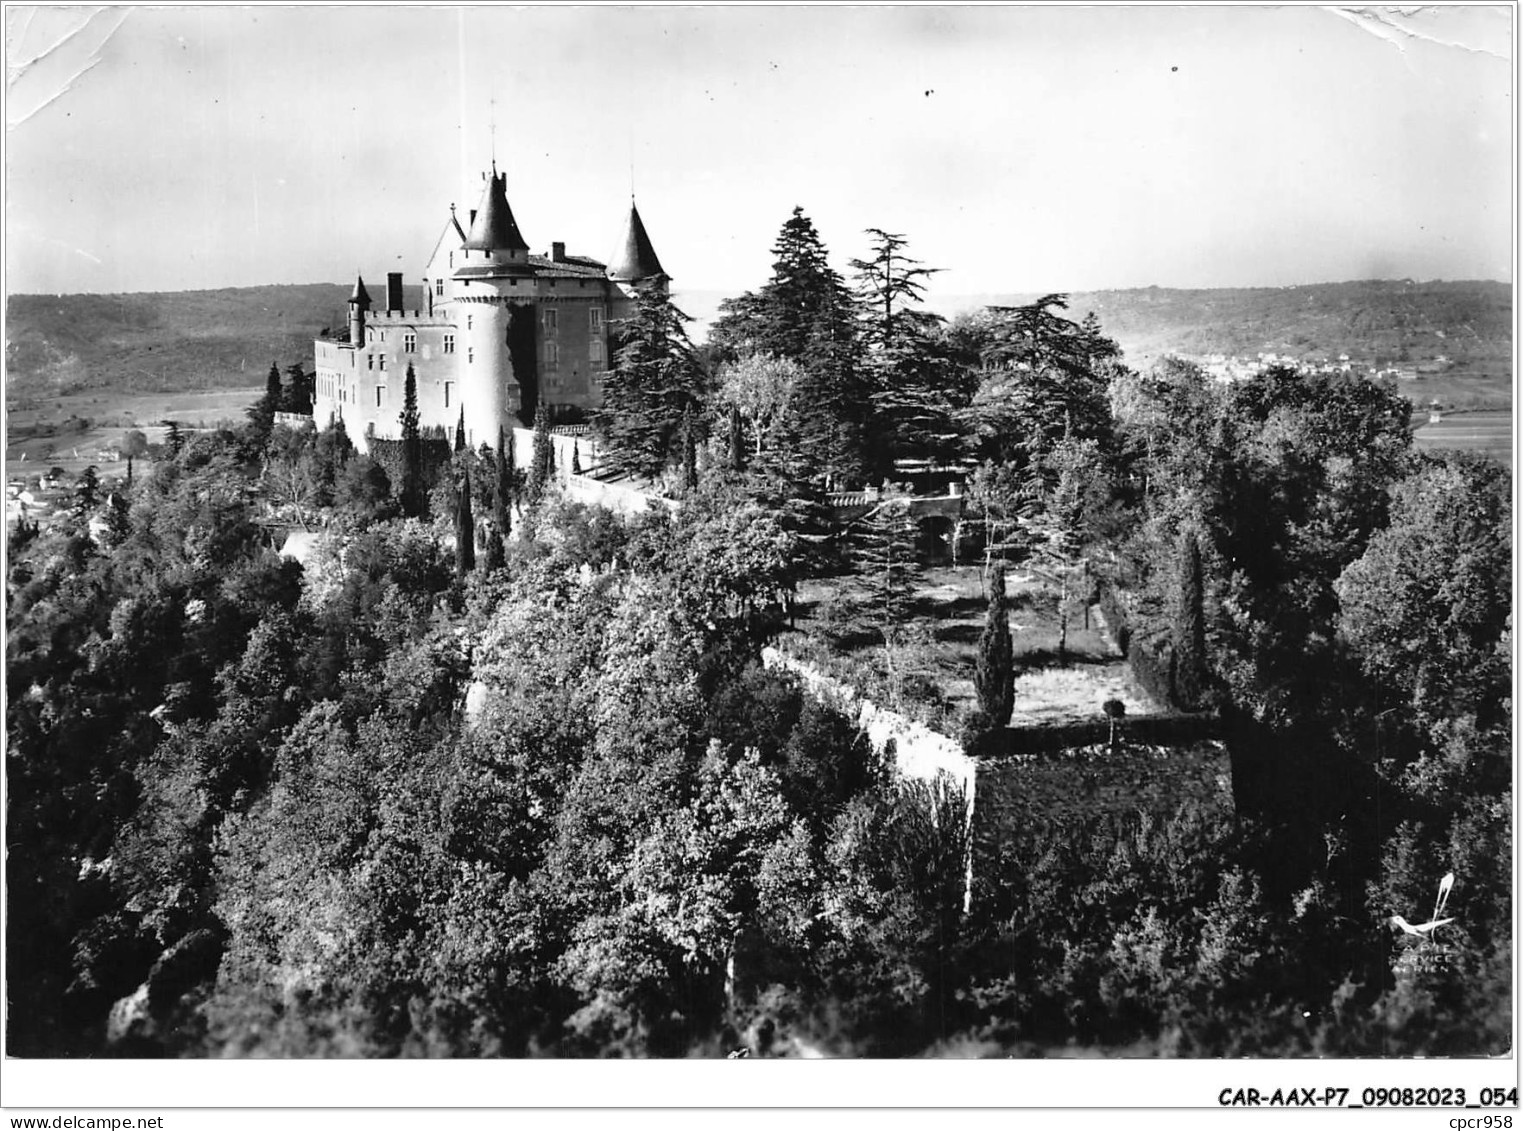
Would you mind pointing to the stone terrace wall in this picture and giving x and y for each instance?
(1007, 790)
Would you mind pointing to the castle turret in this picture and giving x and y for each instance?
(359, 304)
(636, 262)
(493, 267)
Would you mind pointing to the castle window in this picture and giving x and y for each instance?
(470, 355)
(552, 322)
(380, 396)
(409, 343)
(370, 361)
(383, 363)
(449, 343)
(595, 319)
(439, 287)
(469, 321)
(595, 353)
(447, 386)
(552, 354)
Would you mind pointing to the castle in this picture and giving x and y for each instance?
(499, 331)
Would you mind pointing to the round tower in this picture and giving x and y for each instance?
(493, 257)
(359, 304)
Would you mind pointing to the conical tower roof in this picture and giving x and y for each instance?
(494, 228)
(360, 295)
(637, 260)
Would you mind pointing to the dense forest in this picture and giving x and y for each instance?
(498, 773)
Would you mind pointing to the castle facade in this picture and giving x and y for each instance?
(498, 331)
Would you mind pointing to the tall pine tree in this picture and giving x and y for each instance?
(909, 372)
(887, 559)
(656, 381)
(807, 314)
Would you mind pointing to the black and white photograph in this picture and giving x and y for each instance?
(940, 539)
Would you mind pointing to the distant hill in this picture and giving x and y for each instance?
(170, 342)
(1470, 323)
(163, 342)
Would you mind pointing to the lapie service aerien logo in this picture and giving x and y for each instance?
(1425, 930)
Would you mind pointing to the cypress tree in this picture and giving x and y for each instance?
(994, 675)
(460, 432)
(465, 526)
(1189, 625)
(413, 501)
(262, 412)
(502, 495)
(540, 464)
(689, 451)
(174, 438)
(576, 458)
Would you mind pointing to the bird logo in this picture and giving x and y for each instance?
(1425, 930)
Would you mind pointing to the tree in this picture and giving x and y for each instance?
(134, 443)
(1426, 606)
(888, 283)
(806, 314)
(994, 675)
(909, 374)
(460, 432)
(298, 394)
(1058, 526)
(887, 560)
(648, 392)
(465, 526)
(1189, 625)
(737, 441)
(174, 438)
(759, 390)
(689, 450)
(502, 486)
(262, 413)
(1045, 378)
(86, 494)
(540, 460)
(413, 499)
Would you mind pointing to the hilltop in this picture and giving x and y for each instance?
(1389, 322)
(175, 341)
(162, 342)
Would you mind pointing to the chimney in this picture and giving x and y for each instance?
(558, 252)
(394, 290)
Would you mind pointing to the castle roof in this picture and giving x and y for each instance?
(638, 259)
(568, 267)
(360, 294)
(494, 228)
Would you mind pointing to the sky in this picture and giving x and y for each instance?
(1020, 149)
